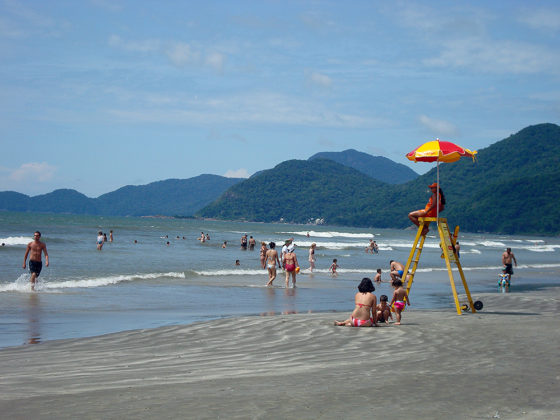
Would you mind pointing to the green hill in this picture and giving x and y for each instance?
(509, 189)
(377, 167)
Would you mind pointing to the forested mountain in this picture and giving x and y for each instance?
(377, 167)
(511, 188)
(172, 197)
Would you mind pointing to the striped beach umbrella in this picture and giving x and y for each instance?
(439, 151)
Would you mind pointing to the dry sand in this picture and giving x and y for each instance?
(502, 362)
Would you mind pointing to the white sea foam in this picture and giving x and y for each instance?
(332, 234)
(15, 240)
(22, 283)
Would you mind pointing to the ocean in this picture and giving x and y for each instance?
(146, 284)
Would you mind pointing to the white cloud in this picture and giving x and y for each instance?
(182, 54)
(134, 46)
(237, 173)
(320, 79)
(496, 56)
(541, 19)
(33, 172)
(216, 61)
(438, 127)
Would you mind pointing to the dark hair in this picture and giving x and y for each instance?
(442, 201)
(383, 298)
(391, 261)
(397, 283)
(379, 270)
(272, 245)
(366, 286)
(38, 233)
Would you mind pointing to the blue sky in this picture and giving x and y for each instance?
(98, 94)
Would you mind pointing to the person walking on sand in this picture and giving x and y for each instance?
(400, 299)
(364, 314)
(99, 240)
(34, 250)
(312, 257)
(271, 261)
(396, 270)
(430, 210)
(291, 266)
(507, 258)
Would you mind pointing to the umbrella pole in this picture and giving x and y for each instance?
(437, 195)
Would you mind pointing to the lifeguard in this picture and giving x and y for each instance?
(430, 210)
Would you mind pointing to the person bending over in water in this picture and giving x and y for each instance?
(430, 210)
(400, 299)
(364, 314)
(271, 260)
(290, 265)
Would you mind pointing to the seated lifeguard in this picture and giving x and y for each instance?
(430, 210)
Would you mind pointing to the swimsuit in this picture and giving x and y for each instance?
(400, 273)
(290, 267)
(399, 304)
(509, 269)
(359, 322)
(361, 305)
(35, 267)
(271, 266)
(433, 212)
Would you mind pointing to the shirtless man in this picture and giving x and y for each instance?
(507, 258)
(252, 243)
(377, 277)
(369, 248)
(396, 270)
(35, 264)
(271, 260)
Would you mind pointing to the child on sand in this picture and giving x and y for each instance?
(383, 310)
(364, 314)
(333, 267)
(400, 299)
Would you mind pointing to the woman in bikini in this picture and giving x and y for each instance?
(363, 315)
(290, 265)
(271, 260)
(263, 254)
(312, 257)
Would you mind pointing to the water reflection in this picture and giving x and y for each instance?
(34, 319)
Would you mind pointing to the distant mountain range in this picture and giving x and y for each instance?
(172, 197)
(512, 188)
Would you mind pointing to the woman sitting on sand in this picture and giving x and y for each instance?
(363, 315)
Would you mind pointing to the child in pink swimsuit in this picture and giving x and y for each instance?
(400, 299)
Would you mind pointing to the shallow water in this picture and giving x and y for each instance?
(127, 285)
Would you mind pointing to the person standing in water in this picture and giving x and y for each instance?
(291, 266)
(271, 260)
(312, 257)
(34, 250)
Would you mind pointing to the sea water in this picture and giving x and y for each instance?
(139, 281)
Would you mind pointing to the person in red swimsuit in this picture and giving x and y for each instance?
(430, 210)
(364, 314)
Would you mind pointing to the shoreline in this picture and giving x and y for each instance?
(500, 361)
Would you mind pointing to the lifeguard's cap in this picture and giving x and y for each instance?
(434, 185)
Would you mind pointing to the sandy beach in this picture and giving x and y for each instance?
(502, 362)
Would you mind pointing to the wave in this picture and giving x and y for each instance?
(332, 234)
(16, 240)
(22, 283)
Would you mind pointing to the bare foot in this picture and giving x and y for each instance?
(397, 323)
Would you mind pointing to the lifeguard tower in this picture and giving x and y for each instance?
(449, 255)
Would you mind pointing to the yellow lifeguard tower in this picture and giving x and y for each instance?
(448, 247)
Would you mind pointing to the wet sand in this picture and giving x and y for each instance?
(502, 362)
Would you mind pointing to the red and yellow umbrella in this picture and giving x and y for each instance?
(439, 151)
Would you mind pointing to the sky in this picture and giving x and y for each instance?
(99, 94)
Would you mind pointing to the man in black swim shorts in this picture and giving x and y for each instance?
(34, 250)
